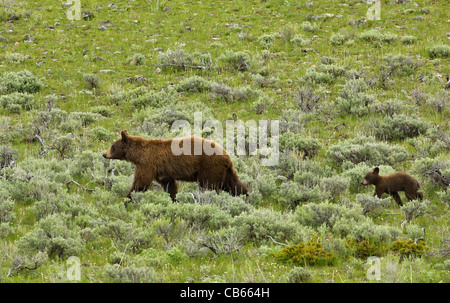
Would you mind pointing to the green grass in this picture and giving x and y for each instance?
(63, 51)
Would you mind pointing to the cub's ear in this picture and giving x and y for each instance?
(124, 137)
(376, 170)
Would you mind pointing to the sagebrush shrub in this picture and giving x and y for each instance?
(372, 205)
(16, 58)
(194, 84)
(240, 61)
(20, 82)
(92, 80)
(309, 147)
(300, 41)
(414, 209)
(177, 58)
(262, 104)
(366, 149)
(399, 127)
(338, 39)
(439, 51)
(261, 223)
(400, 65)
(436, 170)
(298, 275)
(315, 215)
(130, 274)
(136, 59)
(54, 236)
(313, 77)
(309, 27)
(353, 98)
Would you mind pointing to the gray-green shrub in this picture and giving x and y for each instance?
(367, 150)
(20, 82)
(439, 51)
(399, 127)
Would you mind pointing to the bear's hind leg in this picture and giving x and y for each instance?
(413, 196)
(171, 187)
(397, 199)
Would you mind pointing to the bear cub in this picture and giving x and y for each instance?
(392, 184)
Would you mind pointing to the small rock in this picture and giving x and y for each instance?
(102, 28)
(107, 23)
(88, 15)
(165, 9)
(112, 6)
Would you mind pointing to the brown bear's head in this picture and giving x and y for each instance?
(119, 148)
(370, 177)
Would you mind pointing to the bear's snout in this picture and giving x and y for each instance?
(104, 155)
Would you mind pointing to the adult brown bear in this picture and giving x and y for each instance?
(156, 160)
(392, 184)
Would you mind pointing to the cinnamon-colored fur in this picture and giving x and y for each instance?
(392, 184)
(155, 161)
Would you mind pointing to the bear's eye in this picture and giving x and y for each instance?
(113, 148)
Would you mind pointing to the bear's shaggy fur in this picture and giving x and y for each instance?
(392, 184)
(155, 161)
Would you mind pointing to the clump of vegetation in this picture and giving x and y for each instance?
(313, 77)
(181, 60)
(338, 39)
(306, 253)
(366, 149)
(15, 102)
(16, 58)
(262, 104)
(53, 236)
(299, 274)
(439, 51)
(308, 147)
(130, 274)
(400, 65)
(353, 99)
(309, 27)
(240, 61)
(372, 205)
(20, 82)
(374, 35)
(400, 127)
(136, 59)
(408, 40)
(409, 248)
(414, 209)
(92, 80)
(194, 84)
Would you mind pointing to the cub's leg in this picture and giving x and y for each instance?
(397, 199)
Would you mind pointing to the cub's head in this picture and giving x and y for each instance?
(119, 148)
(370, 177)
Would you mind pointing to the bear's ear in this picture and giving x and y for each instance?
(376, 170)
(124, 136)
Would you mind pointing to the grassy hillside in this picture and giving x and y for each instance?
(349, 94)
